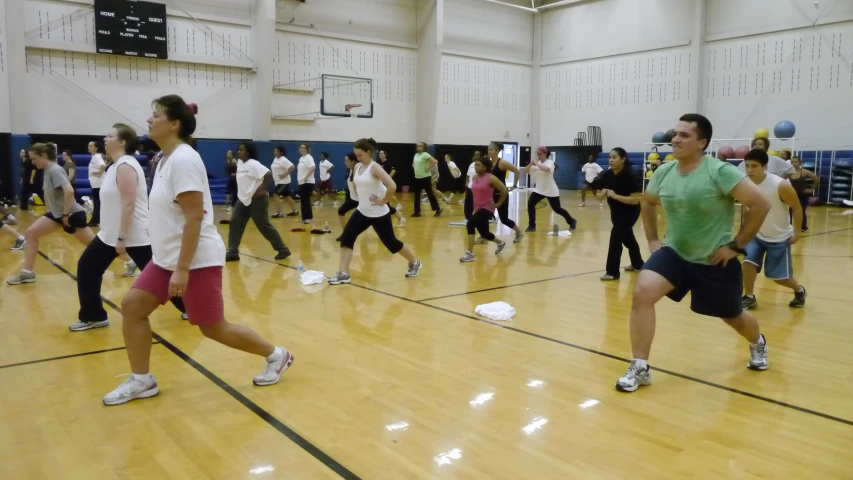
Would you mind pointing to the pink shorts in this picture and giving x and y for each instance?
(202, 298)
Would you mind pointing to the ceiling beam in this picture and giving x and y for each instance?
(499, 2)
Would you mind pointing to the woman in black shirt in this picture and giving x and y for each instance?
(617, 184)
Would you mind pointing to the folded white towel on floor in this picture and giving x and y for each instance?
(561, 233)
(496, 311)
(312, 277)
(849, 203)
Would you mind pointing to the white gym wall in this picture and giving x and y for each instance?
(71, 90)
(486, 74)
(765, 63)
(5, 121)
(623, 65)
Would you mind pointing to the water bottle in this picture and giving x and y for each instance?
(556, 230)
(300, 268)
(326, 228)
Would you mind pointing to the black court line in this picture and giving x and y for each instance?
(63, 357)
(826, 233)
(573, 275)
(600, 353)
(299, 440)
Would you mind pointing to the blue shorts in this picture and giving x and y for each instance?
(714, 291)
(776, 257)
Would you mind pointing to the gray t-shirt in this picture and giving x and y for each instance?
(54, 178)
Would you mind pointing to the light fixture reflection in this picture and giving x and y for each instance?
(536, 383)
(397, 426)
(447, 458)
(589, 403)
(481, 399)
(261, 469)
(536, 424)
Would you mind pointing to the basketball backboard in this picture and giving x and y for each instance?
(346, 97)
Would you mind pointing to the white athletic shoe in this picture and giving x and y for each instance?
(414, 268)
(23, 277)
(131, 389)
(80, 325)
(401, 222)
(281, 361)
(19, 244)
(468, 257)
(758, 355)
(129, 269)
(635, 378)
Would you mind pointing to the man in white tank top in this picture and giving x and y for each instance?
(772, 245)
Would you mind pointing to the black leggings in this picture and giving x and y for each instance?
(480, 222)
(503, 212)
(469, 204)
(96, 210)
(305, 200)
(804, 202)
(383, 227)
(535, 198)
(348, 206)
(623, 234)
(94, 262)
(420, 185)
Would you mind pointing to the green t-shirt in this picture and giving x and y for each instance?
(421, 165)
(699, 211)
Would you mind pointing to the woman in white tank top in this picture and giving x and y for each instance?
(124, 228)
(374, 188)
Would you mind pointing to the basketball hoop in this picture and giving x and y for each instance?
(350, 108)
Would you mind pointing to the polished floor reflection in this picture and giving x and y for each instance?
(398, 378)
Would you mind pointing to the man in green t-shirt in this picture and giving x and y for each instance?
(699, 252)
(422, 164)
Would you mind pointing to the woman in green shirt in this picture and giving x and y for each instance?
(422, 164)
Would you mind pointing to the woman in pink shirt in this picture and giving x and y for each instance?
(484, 185)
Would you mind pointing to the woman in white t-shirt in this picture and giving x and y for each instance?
(458, 181)
(97, 168)
(326, 187)
(281, 169)
(305, 177)
(188, 257)
(590, 170)
(253, 202)
(124, 228)
(541, 169)
(374, 189)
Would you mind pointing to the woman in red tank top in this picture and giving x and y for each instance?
(484, 186)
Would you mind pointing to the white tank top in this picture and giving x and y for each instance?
(111, 207)
(777, 226)
(366, 185)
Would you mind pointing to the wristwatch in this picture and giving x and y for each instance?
(734, 246)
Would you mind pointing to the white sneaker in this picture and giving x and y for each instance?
(129, 269)
(131, 389)
(401, 222)
(758, 355)
(272, 372)
(185, 316)
(635, 378)
(80, 325)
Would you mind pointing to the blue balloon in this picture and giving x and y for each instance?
(659, 138)
(784, 129)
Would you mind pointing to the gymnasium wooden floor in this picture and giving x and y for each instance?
(398, 378)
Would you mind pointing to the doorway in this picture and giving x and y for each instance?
(510, 153)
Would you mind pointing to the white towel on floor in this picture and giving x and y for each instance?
(561, 233)
(312, 277)
(496, 311)
(849, 203)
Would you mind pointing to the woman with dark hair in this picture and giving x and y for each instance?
(231, 186)
(617, 185)
(305, 177)
(97, 167)
(188, 257)
(351, 201)
(124, 228)
(499, 170)
(484, 187)
(254, 203)
(805, 183)
(28, 171)
(541, 168)
(374, 189)
(281, 169)
(62, 211)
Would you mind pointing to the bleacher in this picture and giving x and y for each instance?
(83, 188)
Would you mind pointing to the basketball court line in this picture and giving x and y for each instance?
(826, 233)
(63, 357)
(274, 422)
(573, 275)
(596, 352)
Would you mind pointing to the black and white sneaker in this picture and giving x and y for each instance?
(19, 244)
(80, 326)
(634, 378)
(749, 302)
(799, 300)
(758, 355)
(414, 268)
(339, 278)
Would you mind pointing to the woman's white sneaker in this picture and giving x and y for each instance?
(277, 363)
(136, 386)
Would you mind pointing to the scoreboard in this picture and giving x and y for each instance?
(132, 28)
